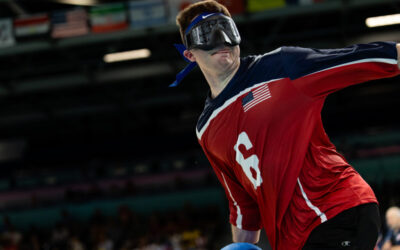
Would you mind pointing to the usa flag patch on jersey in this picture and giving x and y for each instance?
(255, 97)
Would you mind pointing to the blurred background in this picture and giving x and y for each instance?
(96, 152)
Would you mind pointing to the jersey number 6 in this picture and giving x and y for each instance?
(250, 162)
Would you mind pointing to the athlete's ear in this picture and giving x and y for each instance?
(189, 55)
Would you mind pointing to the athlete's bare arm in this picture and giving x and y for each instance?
(398, 54)
(241, 235)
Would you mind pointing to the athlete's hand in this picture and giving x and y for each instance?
(241, 246)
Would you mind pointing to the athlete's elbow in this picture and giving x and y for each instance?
(241, 235)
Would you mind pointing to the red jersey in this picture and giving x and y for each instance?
(264, 138)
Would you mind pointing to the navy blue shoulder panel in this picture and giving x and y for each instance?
(293, 62)
(299, 62)
(252, 70)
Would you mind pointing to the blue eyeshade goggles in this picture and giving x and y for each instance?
(207, 31)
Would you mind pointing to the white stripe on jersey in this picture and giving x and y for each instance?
(239, 214)
(369, 60)
(273, 51)
(310, 205)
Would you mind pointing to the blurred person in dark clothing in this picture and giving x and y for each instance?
(392, 238)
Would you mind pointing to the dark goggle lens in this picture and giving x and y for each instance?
(200, 36)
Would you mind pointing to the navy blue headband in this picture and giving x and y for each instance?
(181, 48)
(199, 18)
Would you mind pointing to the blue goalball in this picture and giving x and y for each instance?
(241, 246)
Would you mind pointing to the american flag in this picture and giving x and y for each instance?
(256, 96)
(69, 23)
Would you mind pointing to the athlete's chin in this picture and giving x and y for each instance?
(224, 57)
(224, 63)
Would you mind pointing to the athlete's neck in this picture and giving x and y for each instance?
(219, 80)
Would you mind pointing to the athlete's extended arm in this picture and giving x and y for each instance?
(241, 235)
(319, 72)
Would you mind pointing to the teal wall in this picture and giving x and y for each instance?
(372, 170)
(47, 217)
(380, 169)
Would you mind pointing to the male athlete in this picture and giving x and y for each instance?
(262, 132)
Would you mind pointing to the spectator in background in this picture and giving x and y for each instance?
(75, 243)
(392, 239)
(59, 235)
(103, 242)
(10, 237)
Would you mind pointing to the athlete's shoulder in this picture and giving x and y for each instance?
(262, 60)
(262, 67)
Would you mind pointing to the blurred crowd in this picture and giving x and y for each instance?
(188, 228)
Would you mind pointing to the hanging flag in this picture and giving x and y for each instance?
(261, 5)
(234, 6)
(6, 33)
(177, 5)
(31, 25)
(147, 13)
(69, 23)
(108, 17)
